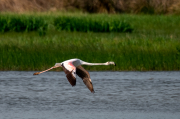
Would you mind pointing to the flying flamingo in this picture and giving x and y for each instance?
(72, 67)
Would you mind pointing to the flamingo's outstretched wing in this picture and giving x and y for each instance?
(81, 72)
(70, 71)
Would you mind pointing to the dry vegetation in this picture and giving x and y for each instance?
(94, 6)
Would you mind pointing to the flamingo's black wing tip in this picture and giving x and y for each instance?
(93, 91)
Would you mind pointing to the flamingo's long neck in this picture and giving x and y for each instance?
(91, 64)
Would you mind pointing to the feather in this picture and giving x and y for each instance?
(81, 72)
(70, 76)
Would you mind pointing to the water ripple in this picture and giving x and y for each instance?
(114, 92)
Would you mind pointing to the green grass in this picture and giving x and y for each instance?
(153, 45)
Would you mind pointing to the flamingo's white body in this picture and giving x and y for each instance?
(72, 67)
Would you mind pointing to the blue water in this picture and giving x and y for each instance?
(118, 95)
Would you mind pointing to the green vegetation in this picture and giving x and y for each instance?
(83, 23)
(89, 23)
(153, 45)
(21, 23)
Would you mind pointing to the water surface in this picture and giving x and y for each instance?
(118, 95)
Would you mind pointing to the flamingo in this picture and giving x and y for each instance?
(72, 67)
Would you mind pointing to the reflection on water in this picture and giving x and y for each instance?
(117, 94)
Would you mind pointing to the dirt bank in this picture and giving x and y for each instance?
(94, 6)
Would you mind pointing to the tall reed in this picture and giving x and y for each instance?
(91, 23)
(21, 23)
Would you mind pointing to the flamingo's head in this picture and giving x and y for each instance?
(111, 63)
